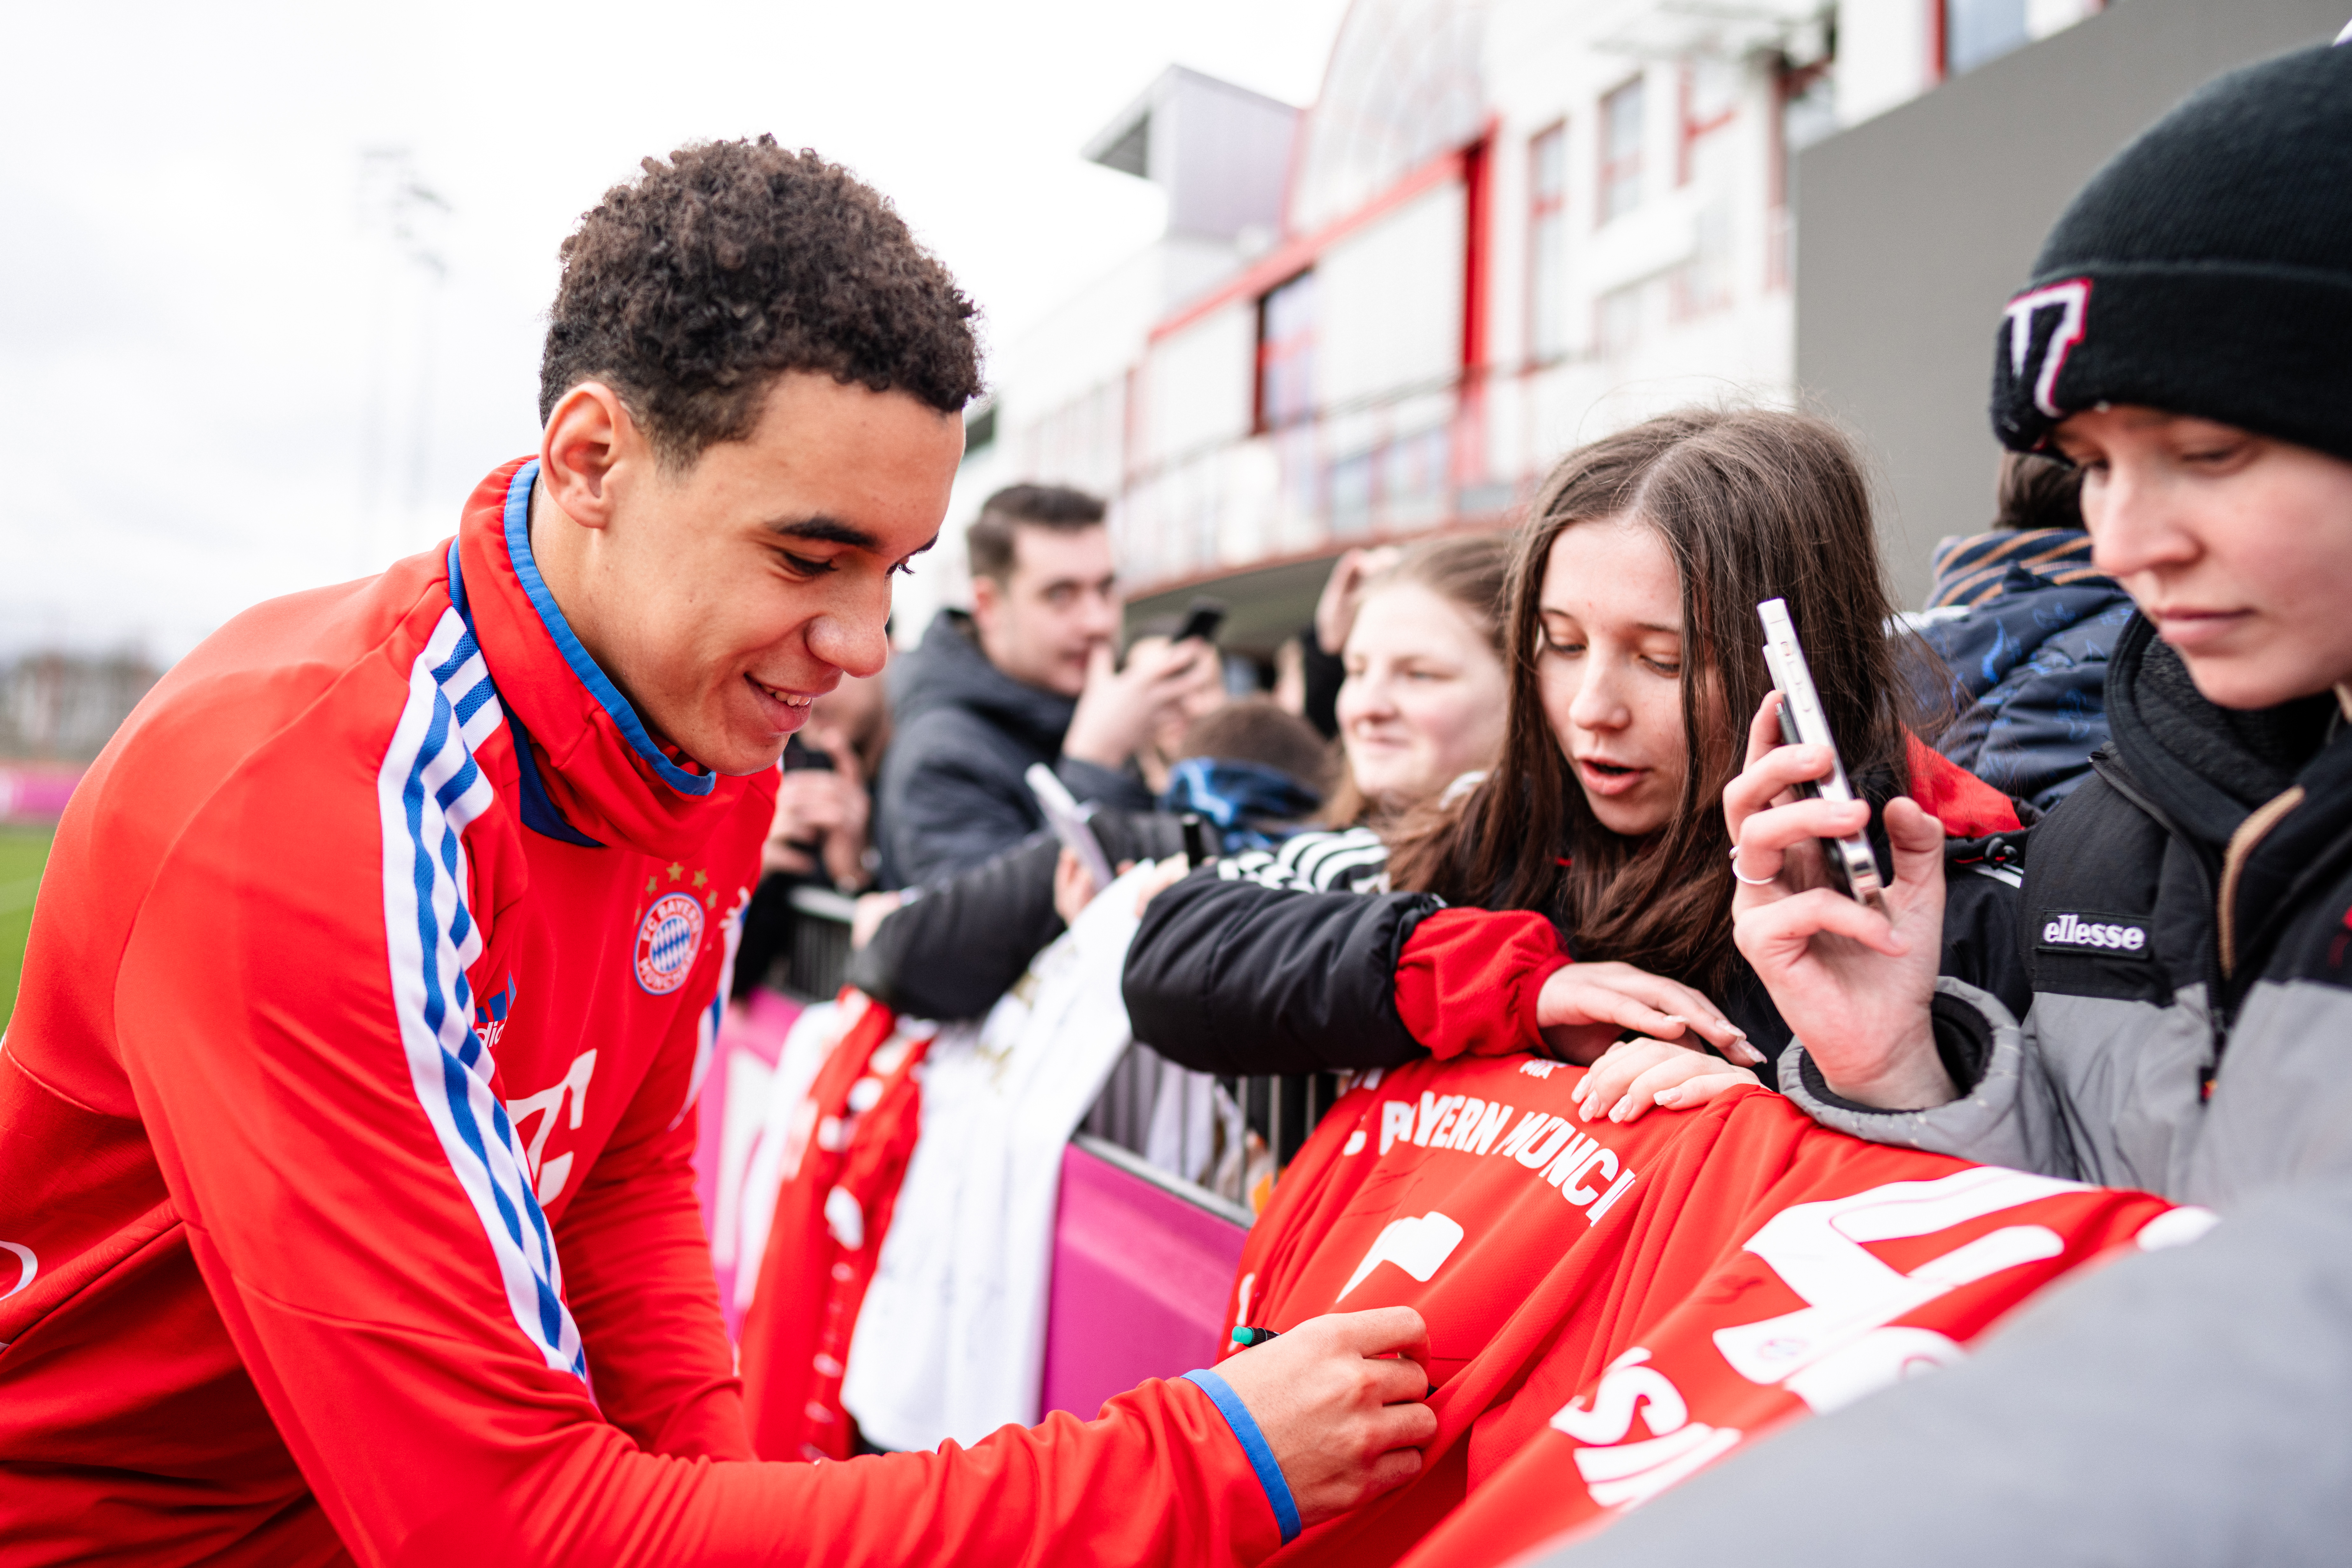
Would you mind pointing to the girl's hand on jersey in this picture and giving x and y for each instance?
(1585, 1007)
(1854, 981)
(1633, 1074)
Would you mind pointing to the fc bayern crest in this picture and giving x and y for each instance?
(668, 940)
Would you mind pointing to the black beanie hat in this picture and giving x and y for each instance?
(2206, 270)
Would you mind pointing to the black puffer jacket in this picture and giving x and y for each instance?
(952, 952)
(1227, 975)
(951, 793)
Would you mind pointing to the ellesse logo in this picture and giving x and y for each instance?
(2095, 933)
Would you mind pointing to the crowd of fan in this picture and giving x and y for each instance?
(1558, 818)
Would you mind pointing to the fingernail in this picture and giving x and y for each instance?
(1668, 1096)
(1622, 1106)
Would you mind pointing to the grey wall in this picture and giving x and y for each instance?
(1913, 229)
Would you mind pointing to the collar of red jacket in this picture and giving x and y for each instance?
(604, 775)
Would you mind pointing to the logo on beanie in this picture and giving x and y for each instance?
(2044, 325)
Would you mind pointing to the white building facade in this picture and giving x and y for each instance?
(1505, 227)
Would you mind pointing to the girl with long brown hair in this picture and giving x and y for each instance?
(1632, 644)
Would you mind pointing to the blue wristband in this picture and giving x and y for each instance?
(1253, 1441)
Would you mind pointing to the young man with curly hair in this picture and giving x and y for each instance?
(344, 1118)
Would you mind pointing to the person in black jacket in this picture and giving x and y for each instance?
(1597, 833)
(1027, 676)
(1249, 772)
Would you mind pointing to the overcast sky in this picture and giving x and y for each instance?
(223, 379)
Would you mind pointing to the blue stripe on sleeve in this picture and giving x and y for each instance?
(1261, 1457)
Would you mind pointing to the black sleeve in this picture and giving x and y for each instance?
(952, 952)
(1234, 978)
(1322, 672)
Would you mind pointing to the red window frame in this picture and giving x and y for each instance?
(1620, 169)
(1692, 128)
(1545, 207)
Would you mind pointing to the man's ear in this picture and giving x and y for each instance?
(591, 446)
(987, 604)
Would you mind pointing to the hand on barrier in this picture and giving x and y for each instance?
(1584, 1008)
(1633, 1074)
(1853, 984)
(1341, 1400)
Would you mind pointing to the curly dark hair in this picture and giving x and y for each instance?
(691, 289)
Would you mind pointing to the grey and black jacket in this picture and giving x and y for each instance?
(2187, 914)
(2183, 922)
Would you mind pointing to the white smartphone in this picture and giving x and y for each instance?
(1068, 820)
(1853, 864)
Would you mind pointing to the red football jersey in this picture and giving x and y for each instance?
(1612, 1307)
(343, 1144)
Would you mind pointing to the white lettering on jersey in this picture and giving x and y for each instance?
(1837, 1347)
(1476, 1131)
(1619, 1474)
(1415, 1245)
(552, 1174)
(1587, 1174)
(1396, 1121)
(27, 1267)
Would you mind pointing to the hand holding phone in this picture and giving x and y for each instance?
(1068, 820)
(1853, 863)
(1203, 621)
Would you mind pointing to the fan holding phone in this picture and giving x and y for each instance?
(1812, 898)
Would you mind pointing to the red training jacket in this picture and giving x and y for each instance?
(343, 1144)
(1612, 1307)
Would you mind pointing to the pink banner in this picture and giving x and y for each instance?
(36, 792)
(1140, 1283)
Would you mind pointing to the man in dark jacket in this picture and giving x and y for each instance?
(1027, 676)
(2023, 624)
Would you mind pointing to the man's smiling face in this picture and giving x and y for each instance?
(724, 598)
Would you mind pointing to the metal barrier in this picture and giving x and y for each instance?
(817, 955)
(1219, 1136)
